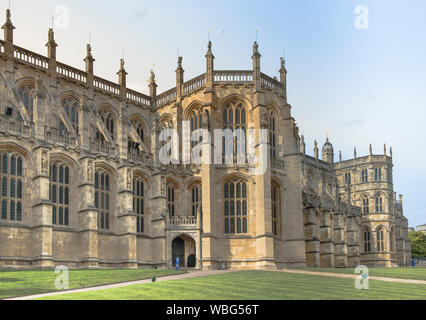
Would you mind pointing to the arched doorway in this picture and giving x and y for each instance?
(191, 261)
(178, 250)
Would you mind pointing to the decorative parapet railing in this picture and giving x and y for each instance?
(141, 157)
(71, 73)
(138, 98)
(222, 76)
(58, 136)
(270, 83)
(194, 84)
(106, 86)
(183, 221)
(32, 58)
(166, 97)
(11, 125)
(98, 146)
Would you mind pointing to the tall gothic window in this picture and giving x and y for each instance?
(235, 119)
(365, 205)
(102, 199)
(235, 196)
(379, 204)
(171, 200)
(11, 186)
(378, 174)
(276, 209)
(364, 175)
(380, 240)
(71, 109)
(272, 137)
(59, 193)
(26, 94)
(195, 199)
(139, 203)
(367, 241)
(392, 239)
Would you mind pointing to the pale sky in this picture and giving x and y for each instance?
(360, 86)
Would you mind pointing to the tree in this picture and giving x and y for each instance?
(418, 243)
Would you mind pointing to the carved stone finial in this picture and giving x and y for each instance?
(371, 150)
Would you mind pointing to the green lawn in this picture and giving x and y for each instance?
(400, 273)
(248, 285)
(25, 282)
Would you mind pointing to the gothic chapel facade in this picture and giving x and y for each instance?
(81, 183)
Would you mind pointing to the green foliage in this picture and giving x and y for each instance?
(418, 243)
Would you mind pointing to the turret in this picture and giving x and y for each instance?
(328, 152)
(256, 62)
(283, 78)
(152, 85)
(89, 59)
(8, 34)
(122, 74)
(303, 145)
(51, 45)
(209, 66)
(179, 77)
(316, 149)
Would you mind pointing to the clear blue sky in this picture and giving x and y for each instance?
(361, 86)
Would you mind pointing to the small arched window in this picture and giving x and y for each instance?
(102, 199)
(171, 200)
(11, 195)
(365, 205)
(70, 106)
(26, 94)
(367, 241)
(139, 204)
(59, 193)
(380, 240)
(276, 208)
(196, 200)
(379, 204)
(235, 207)
(378, 174)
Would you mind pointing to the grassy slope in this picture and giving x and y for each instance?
(22, 283)
(401, 273)
(247, 285)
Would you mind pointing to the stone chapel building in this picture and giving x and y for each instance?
(81, 183)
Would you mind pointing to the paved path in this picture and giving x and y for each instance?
(191, 274)
(353, 276)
